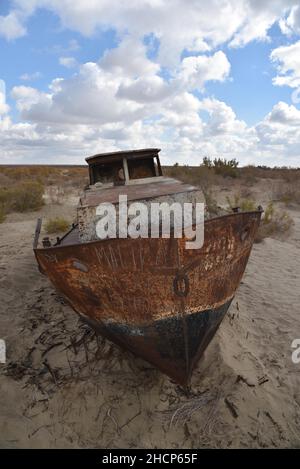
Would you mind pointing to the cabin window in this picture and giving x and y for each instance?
(141, 168)
(108, 172)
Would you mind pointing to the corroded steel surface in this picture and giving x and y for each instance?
(131, 154)
(153, 296)
(87, 214)
(161, 187)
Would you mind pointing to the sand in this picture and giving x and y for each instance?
(62, 387)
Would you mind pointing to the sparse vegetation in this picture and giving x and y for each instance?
(22, 187)
(223, 167)
(27, 196)
(274, 223)
(46, 175)
(57, 225)
(21, 197)
(245, 204)
(219, 170)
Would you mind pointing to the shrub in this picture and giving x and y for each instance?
(207, 162)
(27, 196)
(57, 225)
(226, 168)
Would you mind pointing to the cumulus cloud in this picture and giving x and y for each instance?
(129, 60)
(284, 114)
(124, 86)
(279, 135)
(287, 59)
(11, 26)
(145, 89)
(133, 96)
(291, 24)
(196, 26)
(196, 70)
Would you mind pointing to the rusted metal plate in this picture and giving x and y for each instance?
(163, 186)
(153, 296)
(130, 154)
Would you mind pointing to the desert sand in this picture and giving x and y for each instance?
(64, 387)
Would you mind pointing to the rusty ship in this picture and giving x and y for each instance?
(151, 296)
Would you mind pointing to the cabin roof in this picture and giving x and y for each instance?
(113, 155)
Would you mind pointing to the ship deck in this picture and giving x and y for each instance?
(70, 238)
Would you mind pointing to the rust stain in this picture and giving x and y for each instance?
(136, 284)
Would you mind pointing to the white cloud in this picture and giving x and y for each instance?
(123, 86)
(11, 26)
(258, 17)
(284, 114)
(68, 62)
(196, 70)
(287, 59)
(279, 135)
(129, 59)
(195, 26)
(222, 118)
(145, 89)
(4, 108)
(291, 24)
(177, 125)
(128, 99)
(30, 76)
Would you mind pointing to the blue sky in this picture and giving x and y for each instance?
(109, 76)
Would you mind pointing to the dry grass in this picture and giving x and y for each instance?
(245, 204)
(27, 196)
(22, 187)
(217, 171)
(57, 225)
(22, 197)
(45, 174)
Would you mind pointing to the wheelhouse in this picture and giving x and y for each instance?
(124, 167)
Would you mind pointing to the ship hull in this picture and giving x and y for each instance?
(154, 297)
